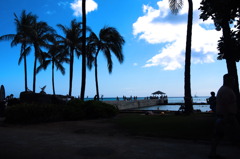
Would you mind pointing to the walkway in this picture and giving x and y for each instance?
(95, 139)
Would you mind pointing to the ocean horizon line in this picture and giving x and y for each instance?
(149, 96)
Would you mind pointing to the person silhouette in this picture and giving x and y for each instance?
(226, 124)
(212, 101)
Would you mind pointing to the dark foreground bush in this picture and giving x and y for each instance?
(34, 113)
(13, 101)
(73, 110)
(97, 109)
(77, 110)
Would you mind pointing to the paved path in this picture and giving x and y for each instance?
(95, 140)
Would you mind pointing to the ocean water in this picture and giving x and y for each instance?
(202, 108)
(199, 100)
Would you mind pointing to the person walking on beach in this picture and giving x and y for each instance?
(212, 101)
(226, 124)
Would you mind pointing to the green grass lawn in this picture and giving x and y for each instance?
(198, 126)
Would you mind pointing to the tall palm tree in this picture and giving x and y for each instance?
(84, 21)
(21, 37)
(109, 40)
(39, 34)
(72, 42)
(175, 6)
(56, 56)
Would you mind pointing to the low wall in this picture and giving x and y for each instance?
(122, 105)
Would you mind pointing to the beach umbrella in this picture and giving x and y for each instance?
(158, 92)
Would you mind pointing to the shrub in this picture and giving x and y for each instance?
(13, 101)
(77, 109)
(2, 108)
(27, 113)
(74, 110)
(34, 113)
(97, 109)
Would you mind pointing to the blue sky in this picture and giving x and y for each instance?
(154, 49)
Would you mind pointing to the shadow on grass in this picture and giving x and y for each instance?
(197, 126)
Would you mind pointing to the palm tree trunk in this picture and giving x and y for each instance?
(96, 77)
(25, 67)
(71, 72)
(34, 74)
(84, 21)
(23, 49)
(25, 72)
(187, 89)
(53, 86)
(37, 54)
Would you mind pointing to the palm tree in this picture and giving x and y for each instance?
(175, 6)
(57, 56)
(39, 34)
(72, 42)
(84, 21)
(224, 13)
(109, 40)
(21, 37)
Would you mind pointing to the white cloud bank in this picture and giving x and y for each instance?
(91, 5)
(159, 25)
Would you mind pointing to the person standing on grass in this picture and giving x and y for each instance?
(212, 102)
(226, 124)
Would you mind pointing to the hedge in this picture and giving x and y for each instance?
(73, 110)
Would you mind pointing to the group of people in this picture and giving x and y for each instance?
(224, 105)
(130, 98)
(96, 97)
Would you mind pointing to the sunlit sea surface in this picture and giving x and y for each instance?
(202, 108)
(201, 99)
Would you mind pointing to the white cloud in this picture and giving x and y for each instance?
(170, 57)
(91, 5)
(135, 64)
(158, 25)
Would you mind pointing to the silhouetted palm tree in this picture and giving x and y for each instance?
(39, 34)
(175, 6)
(72, 42)
(56, 56)
(84, 21)
(224, 13)
(21, 37)
(109, 40)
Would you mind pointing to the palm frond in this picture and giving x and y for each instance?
(44, 65)
(175, 5)
(7, 37)
(61, 68)
(107, 54)
(20, 60)
(24, 52)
